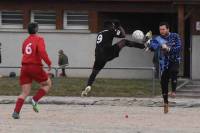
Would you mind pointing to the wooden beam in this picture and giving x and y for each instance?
(189, 13)
(26, 17)
(149, 7)
(59, 19)
(181, 31)
(93, 21)
(181, 19)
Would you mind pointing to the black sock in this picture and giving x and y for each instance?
(92, 77)
(134, 44)
(128, 43)
(165, 97)
(164, 85)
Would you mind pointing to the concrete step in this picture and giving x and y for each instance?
(189, 90)
(188, 95)
(191, 86)
(195, 82)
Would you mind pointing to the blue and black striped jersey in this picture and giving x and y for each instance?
(173, 41)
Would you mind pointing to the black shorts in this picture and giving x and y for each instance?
(102, 56)
(171, 72)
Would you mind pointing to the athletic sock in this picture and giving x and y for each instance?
(19, 105)
(39, 95)
(92, 77)
(134, 44)
(165, 97)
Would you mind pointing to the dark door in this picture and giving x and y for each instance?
(187, 49)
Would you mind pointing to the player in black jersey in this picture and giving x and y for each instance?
(105, 51)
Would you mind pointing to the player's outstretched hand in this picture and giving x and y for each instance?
(49, 68)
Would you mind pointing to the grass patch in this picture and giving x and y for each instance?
(73, 87)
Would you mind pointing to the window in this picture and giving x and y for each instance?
(75, 20)
(11, 19)
(45, 19)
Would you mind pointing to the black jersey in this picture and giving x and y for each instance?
(105, 38)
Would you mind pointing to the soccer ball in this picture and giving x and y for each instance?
(138, 36)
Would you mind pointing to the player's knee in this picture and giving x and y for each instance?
(49, 82)
(125, 42)
(122, 42)
(25, 93)
(46, 85)
(25, 90)
(174, 82)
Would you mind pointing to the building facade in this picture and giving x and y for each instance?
(72, 25)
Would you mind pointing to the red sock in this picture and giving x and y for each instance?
(39, 95)
(19, 105)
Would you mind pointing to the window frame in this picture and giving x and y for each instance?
(75, 27)
(11, 26)
(43, 26)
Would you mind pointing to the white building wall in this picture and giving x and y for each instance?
(195, 66)
(79, 48)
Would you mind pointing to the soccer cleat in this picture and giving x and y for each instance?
(147, 45)
(15, 115)
(148, 35)
(86, 91)
(147, 40)
(166, 108)
(35, 106)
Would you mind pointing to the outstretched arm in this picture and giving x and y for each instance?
(120, 32)
(158, 42)
(43, 53)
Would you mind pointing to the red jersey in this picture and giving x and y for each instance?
(33, 50)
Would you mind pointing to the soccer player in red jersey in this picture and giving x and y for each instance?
(33, 50)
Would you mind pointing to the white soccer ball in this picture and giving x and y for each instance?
(138, 35)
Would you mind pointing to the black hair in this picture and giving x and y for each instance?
(113, 23)
(32, 28)
(164, 23)
(116, 22)
(108, 24)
